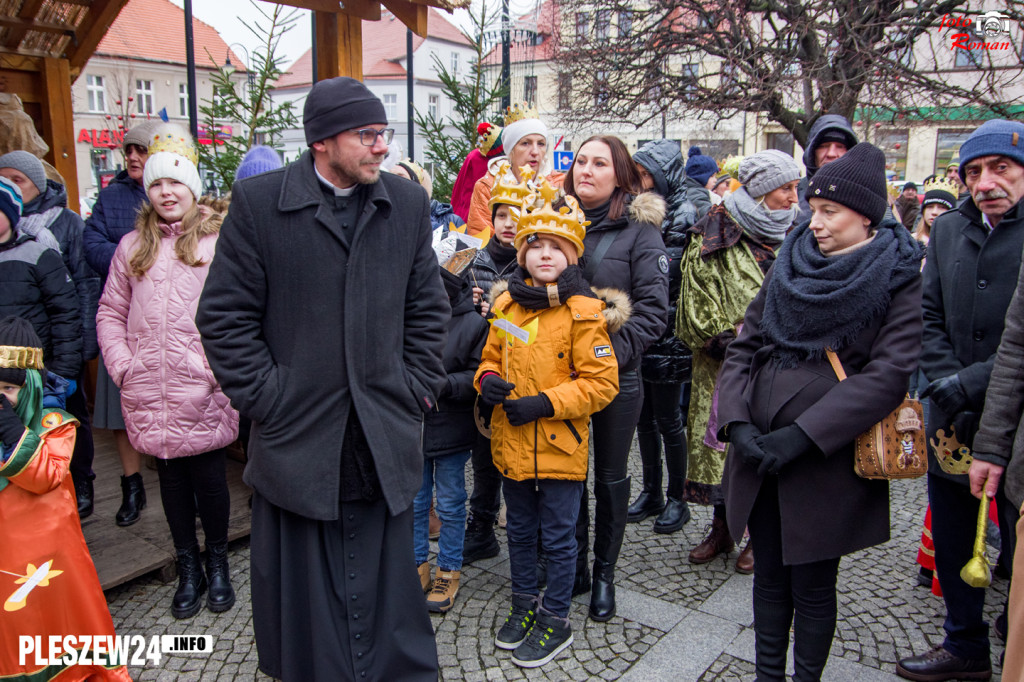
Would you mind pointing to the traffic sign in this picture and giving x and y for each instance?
(563, 161)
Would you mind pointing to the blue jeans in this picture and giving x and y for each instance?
(557, 503)
(448, 474)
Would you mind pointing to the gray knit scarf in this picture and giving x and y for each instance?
(38, 226)
(757, 220)
(815, 302)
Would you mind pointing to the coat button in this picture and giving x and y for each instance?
(352, 576)
(355, 597)
(982, 283)
(351, 556)
(351, 536)
(358, 636)
(355, 616)
(979, 335)
(552, 436)
(561, 355)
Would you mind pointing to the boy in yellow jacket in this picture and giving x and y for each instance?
(548, 364)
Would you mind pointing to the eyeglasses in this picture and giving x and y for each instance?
(368, 136)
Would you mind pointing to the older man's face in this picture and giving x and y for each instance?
(996, 184)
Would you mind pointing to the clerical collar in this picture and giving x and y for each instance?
(338, 192)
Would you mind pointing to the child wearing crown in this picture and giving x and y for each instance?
(48, 583)
(548, 364)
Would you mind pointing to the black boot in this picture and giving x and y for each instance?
(133, 499)
(84, 496)
(609, 527)
(650, 501)
(581, 583)
(480, 541)
(221, 596)
(812, 639)
(771, 638)
(677, 512)
(191, 584)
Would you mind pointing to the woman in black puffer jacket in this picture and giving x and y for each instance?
(665, 367)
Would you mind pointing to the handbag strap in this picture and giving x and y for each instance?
(837, 366)
(602, 248)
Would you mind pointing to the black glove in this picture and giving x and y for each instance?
(781, 447)
(529, 409)
(743, 439)
(948, 394)
(447, 389)
(11, 428)
(716, 346)
(493, 389)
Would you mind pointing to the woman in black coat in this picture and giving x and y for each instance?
(849, 281)
(624, 251)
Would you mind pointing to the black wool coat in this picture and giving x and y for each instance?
(827, 510)
(969, 278)
(299, 329)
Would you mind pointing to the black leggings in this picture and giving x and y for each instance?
(661, 410)
(186, 482)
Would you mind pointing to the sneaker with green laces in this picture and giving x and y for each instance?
(520, 619)
(546, 639)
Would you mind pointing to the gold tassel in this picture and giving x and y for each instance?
(976, 572)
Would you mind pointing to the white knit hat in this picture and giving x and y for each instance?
(172, 154)
(514, 132)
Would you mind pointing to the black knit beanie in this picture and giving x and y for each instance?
(855, 180)
(16, 331)
(339, 104)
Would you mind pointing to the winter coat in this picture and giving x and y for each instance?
(908, 209)
(484, 272)
(970, 276)
(667, 360)
(1000, 438)
(479, 219)
(635, 264)
(699, 196)
(450, 428)
(718, 283)
(571, 361)
(300, 326)
(35, 285)
(441, 215)
(827, 510)
(67, 229)
(113, 216)
(826, 122)
(170, 400)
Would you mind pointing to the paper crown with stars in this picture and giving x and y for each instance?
(506, 190)
(568, 222)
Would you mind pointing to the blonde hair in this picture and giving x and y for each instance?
(194, 228)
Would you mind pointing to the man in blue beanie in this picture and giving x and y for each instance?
(970, 275)
(699, 169)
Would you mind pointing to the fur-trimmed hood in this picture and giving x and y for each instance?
(647, 207)
(617, 306)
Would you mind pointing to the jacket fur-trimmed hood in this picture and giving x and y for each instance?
(617, 306)
(647, 207)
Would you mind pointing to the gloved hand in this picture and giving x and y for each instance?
(716, 346)
(446, 388)
(11, 428)
(948, 394)
(781, 447)
(743, 439)
(525, 410)
(493, 389)
(72, 387)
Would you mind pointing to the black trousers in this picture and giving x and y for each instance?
(81, 458)
(662, 411)
(186, 482)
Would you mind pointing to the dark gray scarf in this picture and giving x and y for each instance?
(814, 302)
(569, 283)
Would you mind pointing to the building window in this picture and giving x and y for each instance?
(783, 142)
(564, 90)
(602, 24)
(433, 105)
(625, 23)
(182, 99)
(455, 63)
(967, 59)
(144, 96)
(391, 107)
(530, 89)
(97, 93)
(600, 88)
(582, 25)
(688, 74)
(947, 147)
(894, 144)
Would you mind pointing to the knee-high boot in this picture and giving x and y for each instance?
(650, 501)
(676, 512)
(812, 640)
(609, 528)
(581, 584)
(771, 638)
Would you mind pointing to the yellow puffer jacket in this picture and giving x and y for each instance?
(572, 362)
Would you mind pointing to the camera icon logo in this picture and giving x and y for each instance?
(992, 24)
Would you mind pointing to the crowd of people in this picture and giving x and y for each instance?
(745, 329)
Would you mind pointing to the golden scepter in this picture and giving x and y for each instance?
(976, 572)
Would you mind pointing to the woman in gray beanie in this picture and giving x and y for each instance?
(729, 253)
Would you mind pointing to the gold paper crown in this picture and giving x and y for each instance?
(568, 222)
(942, 184)
(486, 141)
(893, 190)
(506, 190)
(170, 139)
(21, 357)
(520, 111)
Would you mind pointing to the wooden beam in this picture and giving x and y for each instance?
(95, 25)
(58, 124)
(413, 16)
(20, 24)
(339, 46)
(28, 11)
(364, 9)
(20, 61)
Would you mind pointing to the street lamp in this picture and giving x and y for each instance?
(230, 69)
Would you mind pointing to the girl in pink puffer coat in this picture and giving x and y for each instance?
(173, 407)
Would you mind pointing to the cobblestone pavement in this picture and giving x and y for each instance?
(675, 621)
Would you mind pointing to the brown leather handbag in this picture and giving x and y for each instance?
(895, 447)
